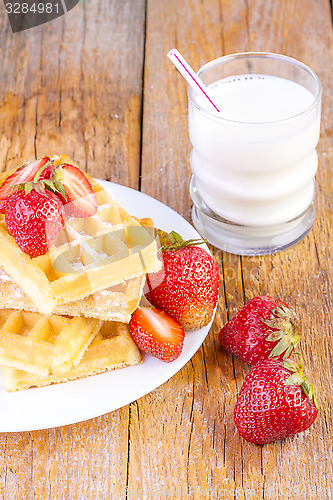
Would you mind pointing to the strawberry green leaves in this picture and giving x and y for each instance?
(276, 400)
(280, 408)
(298, 377)
(264, 327)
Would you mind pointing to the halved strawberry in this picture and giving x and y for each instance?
(80, 200)
(23, 174)
(157, 333)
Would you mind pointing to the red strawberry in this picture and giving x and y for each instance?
(157, 333)
(187, 287)
(264, 327)
(25, 173)
(34, 218)
(80, 199)
(275, 402)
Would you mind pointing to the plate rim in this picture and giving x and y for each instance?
(171, 368)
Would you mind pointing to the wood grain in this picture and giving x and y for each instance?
(74, 86)
(96, 84)
(216, 456)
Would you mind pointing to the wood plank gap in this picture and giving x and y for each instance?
(82, 66)
(222, 27)
(247, 21)
(189, 451)
(205, 366)
(316, 249)
(6, 466)
(331, 6)
(262, 473)
(242, 277)
(59, 71)
(142, 94)
(191, 419)
(38, 93)
(128, 450)
(193, 388)
(33, 479)
(36, 124)
(224, 287)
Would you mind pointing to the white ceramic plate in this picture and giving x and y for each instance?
(80, 400)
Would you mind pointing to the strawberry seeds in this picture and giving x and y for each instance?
(36, 198)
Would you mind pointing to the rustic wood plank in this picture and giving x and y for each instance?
(63, 85)
(73, 86)
(303, 275)
(205, 391)
(85, 460)
(77, 89)
(98, 91)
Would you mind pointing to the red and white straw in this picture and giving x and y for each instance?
(190, 76)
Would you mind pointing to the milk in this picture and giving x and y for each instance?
(255, 161)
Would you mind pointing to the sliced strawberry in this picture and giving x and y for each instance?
(25, 173)
(157, 333)
(80, 198)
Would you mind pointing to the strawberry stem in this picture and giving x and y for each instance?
(173, 241)
(286, 330)
(298, 377)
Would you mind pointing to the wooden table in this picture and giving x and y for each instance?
(96, 84)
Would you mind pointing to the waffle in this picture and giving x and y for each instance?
(44, 345)
(89, 255)
(115, 303)
(111, 348)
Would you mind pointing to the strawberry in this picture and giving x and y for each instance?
(264, 327)
(157, 333)
(25, 173)
(275, 401)
(79, 198)
(187, 287)
(34, 217)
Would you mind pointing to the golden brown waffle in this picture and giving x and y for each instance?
(111, 348)
(44, 345)
(89, 254)
(115, 303)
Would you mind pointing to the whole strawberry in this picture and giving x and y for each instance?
(34, 218)
(42, 168)
(157, 333)
(275, 401)
(264, 327)
(187, 286)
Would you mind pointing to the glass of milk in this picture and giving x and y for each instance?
(254, 162)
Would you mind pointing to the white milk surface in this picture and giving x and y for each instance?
(254, 162)
(258, 98)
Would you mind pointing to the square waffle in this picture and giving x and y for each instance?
(89, 254)
(44, 345)
(115, 303)
(111, 348)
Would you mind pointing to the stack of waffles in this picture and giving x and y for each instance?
(64, 315)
